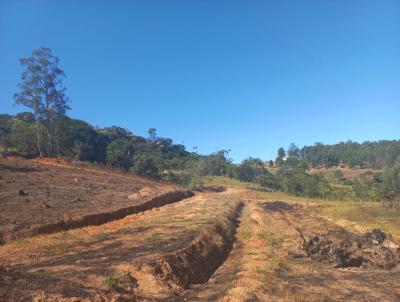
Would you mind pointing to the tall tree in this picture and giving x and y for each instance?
(41, 90)
(293, 150)
(152, 134)
(281, 154)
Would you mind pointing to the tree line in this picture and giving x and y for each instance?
(46, 130)
(373, 155)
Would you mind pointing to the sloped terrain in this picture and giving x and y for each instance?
(44, 196)
(160, 243)
(265, 264)
(151, 255)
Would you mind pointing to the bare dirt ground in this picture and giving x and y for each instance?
(261, 267)
(35, 192)
(236, 245)
(147, 256)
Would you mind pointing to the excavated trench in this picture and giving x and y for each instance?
(195, 263)
(17, 232)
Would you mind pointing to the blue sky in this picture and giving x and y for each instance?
(249, 76)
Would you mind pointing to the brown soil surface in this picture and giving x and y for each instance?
(37, 192)
(151, 255)
(235, 245)
(263, 266)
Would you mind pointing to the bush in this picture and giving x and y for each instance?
(145, 164)
(23, 138)
(119, 153)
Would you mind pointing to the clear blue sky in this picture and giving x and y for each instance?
(249, 76)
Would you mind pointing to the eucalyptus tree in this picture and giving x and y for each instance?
(42, 90)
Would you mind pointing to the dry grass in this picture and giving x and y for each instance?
(45, 191)
(227, 182)
(347, 172)
(83, 256)
(368, 216)
(261, 257)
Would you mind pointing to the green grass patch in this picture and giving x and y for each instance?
(368, 215)
(111, 281)
(227, 182)
(245, 234)
(102, 236)
(154, 237)
(270, 238)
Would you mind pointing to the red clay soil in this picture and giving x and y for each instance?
(195, 263)
(149, 256)
(162, 199)
(40, 195)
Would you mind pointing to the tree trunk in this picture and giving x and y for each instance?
(37, 131)
(38, 139)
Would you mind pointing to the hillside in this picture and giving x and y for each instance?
(238, 244)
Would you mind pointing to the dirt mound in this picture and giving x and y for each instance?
(368, 251)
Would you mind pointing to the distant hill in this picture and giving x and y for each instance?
(373, 155)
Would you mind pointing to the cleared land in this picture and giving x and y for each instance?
(236, 245)
(264, 264)
(347, 172)
(42, 196)
(154, 254)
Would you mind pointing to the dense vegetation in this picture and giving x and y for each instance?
(374, 155)
(371, 185)
(47, 131)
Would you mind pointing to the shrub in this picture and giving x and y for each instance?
(145, 164)
(119, 153)
(111, 281)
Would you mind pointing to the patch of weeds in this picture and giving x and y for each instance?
(179, 217)
(246, 234)
(56, 248)
(260, 270)
(22, 242)
(65, 235)
(189, 219)
(324, 223)
(102, 236)
(277, 264)
(274, 291)
(154, 237)
(270, 238)
(39, 274)
(111, 281)
(252, 253)
(283, 265)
